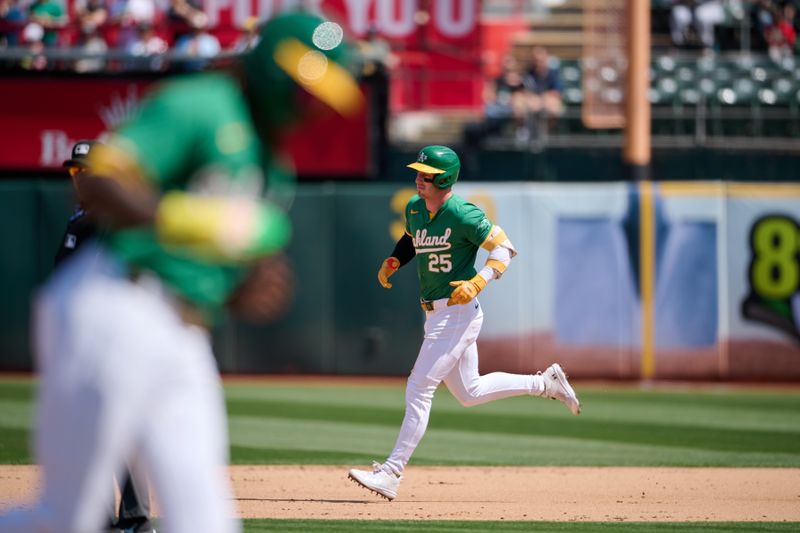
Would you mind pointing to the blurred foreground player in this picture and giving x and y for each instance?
(181, 186)
(134, 505)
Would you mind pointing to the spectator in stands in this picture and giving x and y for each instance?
(700, 15)
(792, 13)
(186, 16)
(249, 37)
(781, 35)
(147, 42)
(375, 56)
(198, 43)
(33, 37)
(12, 20)
(374, 62)
(91, 43)
(506, 100)
(129, 15)
(90, 16)
(543, 97)
(505, 106)
(50, 15)
(149, 48)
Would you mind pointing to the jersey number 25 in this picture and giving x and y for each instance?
(439, 263)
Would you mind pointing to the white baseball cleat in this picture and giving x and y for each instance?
(556, 387)
(382, 481)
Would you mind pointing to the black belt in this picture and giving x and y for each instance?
(431, 305)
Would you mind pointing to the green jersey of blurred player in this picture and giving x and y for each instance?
(208, 142)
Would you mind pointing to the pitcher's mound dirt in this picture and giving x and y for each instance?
(501, 493)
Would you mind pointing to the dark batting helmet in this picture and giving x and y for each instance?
(440, 161)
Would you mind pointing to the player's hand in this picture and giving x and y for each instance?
(266, 292)
(465, 290)
(388, 268)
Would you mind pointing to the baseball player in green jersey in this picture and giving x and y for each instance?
(123, 348)
(444, 232)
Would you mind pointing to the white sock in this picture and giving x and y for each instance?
(537, 387)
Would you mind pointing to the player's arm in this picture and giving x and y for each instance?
(116, 189)
(403, 253)
(236, 228)
(501, 251)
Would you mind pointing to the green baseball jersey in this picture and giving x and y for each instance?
(196, 135)
(446, 243)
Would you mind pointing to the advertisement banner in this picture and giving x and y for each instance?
(43, 117)
(763, 280)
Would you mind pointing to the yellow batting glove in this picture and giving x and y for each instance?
(466, 290)
(388, 268)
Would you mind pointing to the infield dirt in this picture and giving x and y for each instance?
(500, 493)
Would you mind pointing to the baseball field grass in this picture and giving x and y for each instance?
(352, 422)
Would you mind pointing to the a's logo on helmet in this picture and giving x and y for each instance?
(422, 157)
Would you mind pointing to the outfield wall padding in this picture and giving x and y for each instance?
(725, 281)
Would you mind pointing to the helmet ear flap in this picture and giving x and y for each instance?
(446, 179)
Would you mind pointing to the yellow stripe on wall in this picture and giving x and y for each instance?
(647, 240)
(764, 190)
(694, 188)
(711, 188)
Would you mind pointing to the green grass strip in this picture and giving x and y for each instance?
(333, 423)
(618, 431)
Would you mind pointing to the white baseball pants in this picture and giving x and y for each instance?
(449, 353)
(123, 378)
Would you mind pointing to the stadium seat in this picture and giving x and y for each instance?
(668, 88)
(572, 96)
(707, 87)
(744, 95)
(570, 75)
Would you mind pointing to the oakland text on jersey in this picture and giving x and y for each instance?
(424, 243)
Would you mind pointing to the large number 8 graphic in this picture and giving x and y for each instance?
(439, 263)
(775, 273)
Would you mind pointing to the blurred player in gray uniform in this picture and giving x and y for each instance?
(444, 232)
(134, 505)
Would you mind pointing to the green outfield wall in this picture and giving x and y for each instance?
(614, 280)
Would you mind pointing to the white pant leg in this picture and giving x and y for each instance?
(448, 332)
(84, 427)
(470, 388)
(186, 446)
(114, 356)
